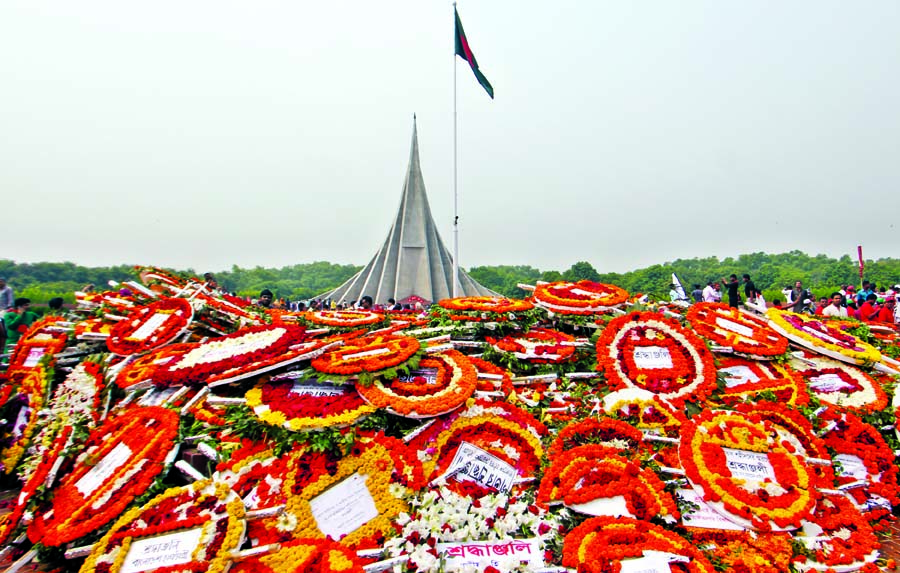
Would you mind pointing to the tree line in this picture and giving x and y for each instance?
(771, 272)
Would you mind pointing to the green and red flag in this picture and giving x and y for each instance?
(465, 52)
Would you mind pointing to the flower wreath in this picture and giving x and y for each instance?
(34, 384)
(582, 297)
(537, 346)
(210, 414)
(839, 536)
(504, 439)
(644, 410)
(304, 556)
(75, 403)
(779, 501)
(600, 543)
(206, 505)
(844, 386)
(344, 319)
(414, 397)
(239, 355)
(583, 474)
(37, 342)
(756, 552)
(149, 327)
(497, 377)
(485, 309)
(374, 462)
(738, 330)
(748, 379)
(677, 366)
(142, 368)
(278, 404)
(605, 432)
(257, 479)
(442, 515)
(856, 442)
(93, 329)
(136, 445)
(816, 335)
(370, 356)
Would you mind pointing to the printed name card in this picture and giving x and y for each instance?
(34, 356)
(363, 354)
(704, 516)
(428, 374)
(317, 390)
(161, 551)
(651, 357)
(735, 327)
(612, 506)
(851, 466)
(754, 466)
(98, 474)
(471, 463)
(828, 383)
(344, 508)
(484, 554)
(651, 564)
(737, 375)
(150, 325)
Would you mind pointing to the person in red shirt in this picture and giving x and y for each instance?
(886, 313)
(869, 309)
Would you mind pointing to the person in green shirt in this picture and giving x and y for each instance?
(17, 320)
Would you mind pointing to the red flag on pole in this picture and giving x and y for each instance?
(862, 265)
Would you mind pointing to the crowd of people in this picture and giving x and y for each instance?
(869, 304)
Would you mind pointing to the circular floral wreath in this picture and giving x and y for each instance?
(537, 346)
(93, 329)
(600, 543)
(644, 410)
(371, 354)
(37, 342)
(244, 353)
(582, 297)
(149, 327)
(416, 397)
(142, 368)
(816, 335)
(648, 351)
(137, 445)
(777, 502)
(495, 304)
(587, 473)
(750, 379)
(727, 326)
(839, 536)
(844, 386)
(212, 507)
(278, 404)
(344, 318)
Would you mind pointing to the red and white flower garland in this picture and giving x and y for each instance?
(582, 297)
(729, 327)
(149, 327)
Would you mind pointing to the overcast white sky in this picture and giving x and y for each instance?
(212, 133)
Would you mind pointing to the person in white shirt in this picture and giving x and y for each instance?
(788, 293)
(836, 308)
(709, 293)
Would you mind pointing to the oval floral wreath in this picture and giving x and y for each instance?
(298, 407)
(421, 396)
(840, 537)
(582, 297)
(600, 543)
(369, 356)
(485, 309)
(237, 355)
(211, 509)
(646, 350)
(344, 319)
(149, 327)
(715, 445)
(749, 379)
(818, 336)
(37, 342)
(844, 386)
(121, 459)
(729, 327)
(537, 346)
(142, 368)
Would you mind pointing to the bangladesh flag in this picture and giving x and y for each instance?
(465, 52)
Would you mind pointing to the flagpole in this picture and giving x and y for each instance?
(455, 195)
